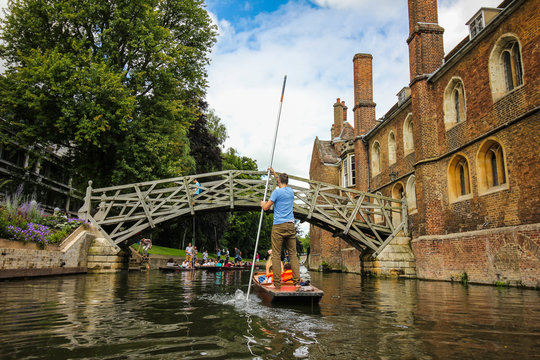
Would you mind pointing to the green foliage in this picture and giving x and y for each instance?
(118, 84)
(305, 241)
(233, 161)
(464, 278)
(242, 232)
(216, 128)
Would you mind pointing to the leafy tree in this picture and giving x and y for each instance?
(216, 128)
(116, 83)
(203, 143)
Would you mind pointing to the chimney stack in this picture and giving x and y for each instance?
(425, 40)
(340, 116)
(364, 107)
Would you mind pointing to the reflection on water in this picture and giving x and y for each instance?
(205, 315)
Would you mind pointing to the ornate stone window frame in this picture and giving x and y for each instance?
(455, 110)
(506, 66)
(492, 167)
(459, 178)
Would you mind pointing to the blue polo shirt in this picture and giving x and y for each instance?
(283, 199)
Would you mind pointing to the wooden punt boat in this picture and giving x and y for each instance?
(308, 295)
(174, 269)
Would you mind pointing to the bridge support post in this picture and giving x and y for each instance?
(84, 211)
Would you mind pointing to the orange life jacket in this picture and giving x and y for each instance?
(286, 275)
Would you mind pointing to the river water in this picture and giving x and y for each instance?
(204, 315)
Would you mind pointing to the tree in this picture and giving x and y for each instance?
(116, 83)
(242, 227)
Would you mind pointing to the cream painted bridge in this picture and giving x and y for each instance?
(365, 221)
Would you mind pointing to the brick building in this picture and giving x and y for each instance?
(460, 144)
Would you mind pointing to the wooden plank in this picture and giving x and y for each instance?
(314, 201)
(145, 207)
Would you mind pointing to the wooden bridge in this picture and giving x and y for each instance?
(365, 221)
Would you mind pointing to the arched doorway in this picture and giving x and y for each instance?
(397, 192)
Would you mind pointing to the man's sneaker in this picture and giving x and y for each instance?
(305, 283)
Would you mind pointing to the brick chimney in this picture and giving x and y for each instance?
(425, 40)
(364, 107)
(340, 116)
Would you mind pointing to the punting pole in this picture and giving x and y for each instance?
(266, 187)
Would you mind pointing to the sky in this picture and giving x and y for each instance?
(313, 42)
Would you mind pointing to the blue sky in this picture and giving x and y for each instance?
(313, 43)
(240, 13)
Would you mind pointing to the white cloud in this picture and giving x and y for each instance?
(314, 46)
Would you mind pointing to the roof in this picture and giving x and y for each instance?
(326, 151)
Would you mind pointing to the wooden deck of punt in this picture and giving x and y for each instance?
(287, 293)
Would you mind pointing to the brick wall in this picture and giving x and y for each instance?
(510, 255)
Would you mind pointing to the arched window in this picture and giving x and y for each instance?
(408, 145)
(491, 167)
(459, 185)
(454, 103)
(511, 58)
(410, 193)
(505, 66)
(391, 148)
(376, 158)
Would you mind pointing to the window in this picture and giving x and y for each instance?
(459, 186)
(491, 167)
(476, 25)
(511, 59)
(345, 171)
(408, 145)
(505, 66)
(391, 148)
(454, 103)
(376, 158)
(410, 192)
(348, 172)
(353, 169)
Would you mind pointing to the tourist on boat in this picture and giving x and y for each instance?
(186, 264)
(219, 263)
(189, 253)
(269, 262)
(283, 230)
(205, 255)
(170, 262)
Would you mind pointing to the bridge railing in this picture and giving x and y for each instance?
(362, 219)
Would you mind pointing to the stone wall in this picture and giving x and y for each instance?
(83, 251)
(508, 255)
(396, 259)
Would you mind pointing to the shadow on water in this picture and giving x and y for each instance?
(204, 315)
